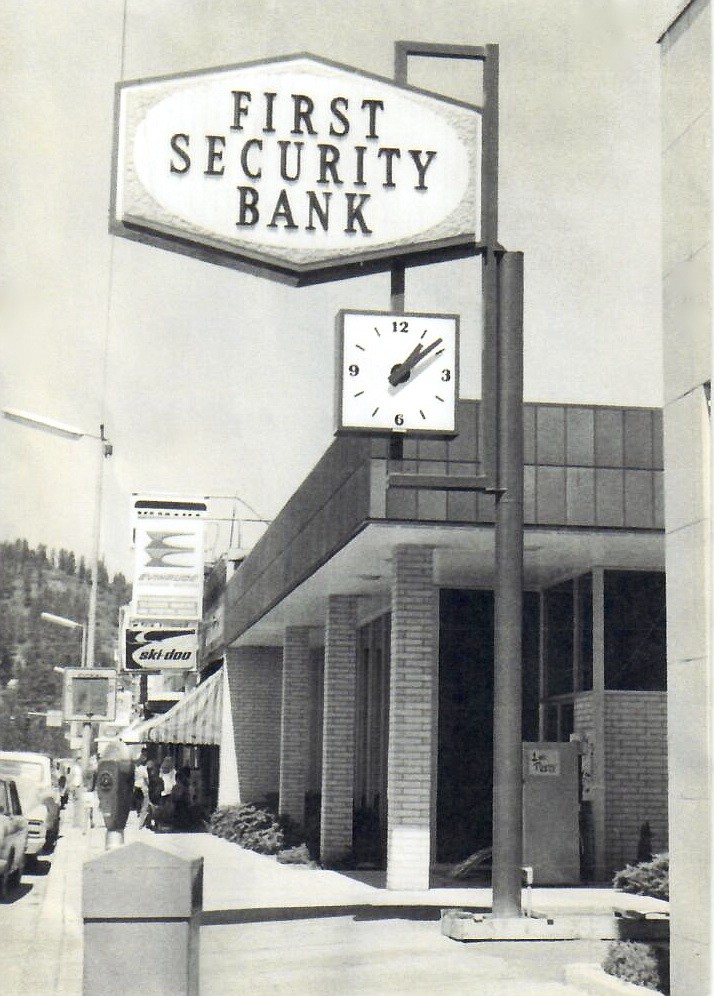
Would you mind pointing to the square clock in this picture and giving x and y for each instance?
(397, 372)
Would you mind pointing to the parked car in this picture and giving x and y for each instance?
(39, 798)
(13, 837)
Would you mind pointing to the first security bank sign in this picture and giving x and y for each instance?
(297, 165)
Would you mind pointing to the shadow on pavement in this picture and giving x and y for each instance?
(17, 893)
(37, 866)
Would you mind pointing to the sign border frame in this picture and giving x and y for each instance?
(264, 264)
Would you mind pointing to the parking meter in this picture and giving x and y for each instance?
(115, 788)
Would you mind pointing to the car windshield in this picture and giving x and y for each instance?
(30, 778)
(13, 768)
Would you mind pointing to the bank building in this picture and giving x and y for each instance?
(347, 667)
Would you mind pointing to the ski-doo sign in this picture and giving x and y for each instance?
(161, 649)
(296, 165)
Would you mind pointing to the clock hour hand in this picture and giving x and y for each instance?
(401, 371)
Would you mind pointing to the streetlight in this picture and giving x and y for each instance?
(69, 624)
(105, 450)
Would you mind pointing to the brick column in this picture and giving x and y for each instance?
(338, 728)
(413, 714)
(254, 680)
(294, 728)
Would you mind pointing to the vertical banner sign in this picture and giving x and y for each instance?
(296, 165)
(168, 568)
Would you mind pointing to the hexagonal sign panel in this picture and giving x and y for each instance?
(297, 166)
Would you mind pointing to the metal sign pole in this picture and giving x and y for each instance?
(507, 734)
(501, 456)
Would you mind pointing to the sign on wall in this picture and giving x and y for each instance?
(544, 762)
(297, 163)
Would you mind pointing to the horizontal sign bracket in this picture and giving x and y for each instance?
(442, 482)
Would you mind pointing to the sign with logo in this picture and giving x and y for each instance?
(297, 164)
(89, 695)
(544, 762)
(161, 649)
(168, 563)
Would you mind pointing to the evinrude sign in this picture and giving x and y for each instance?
(297, 164)
(168, 562)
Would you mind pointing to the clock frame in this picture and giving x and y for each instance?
(397, 372)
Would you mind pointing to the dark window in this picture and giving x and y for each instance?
(585, 609)
(566, 725)
(531, 669)
(559, 639)
(635, 631)
(551, 723)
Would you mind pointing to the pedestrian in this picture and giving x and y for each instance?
(141, 789)
(181, 799)
(91, 799)
(76, 791)
(168, 775)
(164, 811)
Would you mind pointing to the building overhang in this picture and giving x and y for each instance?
(464, 557)
(592, 497)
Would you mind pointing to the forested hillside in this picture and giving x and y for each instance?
(32, 582)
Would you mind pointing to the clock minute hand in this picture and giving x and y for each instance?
(400, 372)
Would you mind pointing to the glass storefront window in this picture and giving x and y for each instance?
(635, 631)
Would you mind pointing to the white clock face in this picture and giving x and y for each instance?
(399, 372)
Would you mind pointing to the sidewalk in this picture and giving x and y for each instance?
(293, 930)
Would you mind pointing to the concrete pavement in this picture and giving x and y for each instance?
(277, 929)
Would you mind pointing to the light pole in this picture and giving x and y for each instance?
(104, 450)
(50, 617)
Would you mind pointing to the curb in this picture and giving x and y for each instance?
(593, 979)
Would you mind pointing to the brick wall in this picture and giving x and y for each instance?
(338, 728)
(635, 773)
(255, 682)
(413, 717)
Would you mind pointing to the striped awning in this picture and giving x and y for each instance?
(195, 719)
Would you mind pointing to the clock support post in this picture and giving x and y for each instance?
(501, 450)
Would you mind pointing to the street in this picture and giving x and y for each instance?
(19, 925)
(40, 946)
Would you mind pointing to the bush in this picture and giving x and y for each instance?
(638, 963)
(253, 828)
(649, 878)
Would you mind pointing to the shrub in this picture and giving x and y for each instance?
(649, 878)
(253, 828)
(634, 962)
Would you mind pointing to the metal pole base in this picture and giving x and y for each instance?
(114, 838)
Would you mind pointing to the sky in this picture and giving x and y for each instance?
(214, 382)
